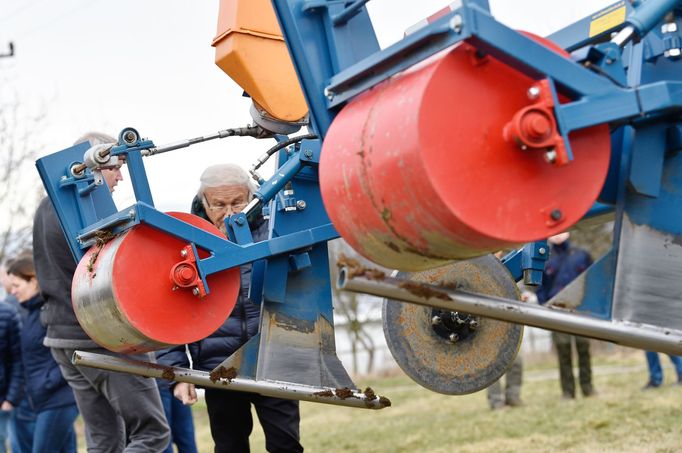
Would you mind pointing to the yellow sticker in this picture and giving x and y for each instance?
(605, 20)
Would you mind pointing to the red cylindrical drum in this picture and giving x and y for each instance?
(417, 172)
(125, 299)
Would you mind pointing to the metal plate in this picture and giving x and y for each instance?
(471, 364)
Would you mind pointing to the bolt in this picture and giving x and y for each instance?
(239, 221)
(308, 153)
(453, 338)
(609, 61)
(329, 94)
(673, 53)
(436, 320)
(175, 288)
(550, 156)
(195, 291)
(131, 213)
(542, 250)
(533, 93)
(130, 137)
(183, 253)
(301, 205)
(63, 178)
(473, 324)
(456, 23)
(555, 214)
(670, 27)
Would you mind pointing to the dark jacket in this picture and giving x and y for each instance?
(44, 385)
(565, 263)
(241, 325)
(55, 267)
(10, 348)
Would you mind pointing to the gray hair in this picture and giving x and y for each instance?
(96, 138)
(225, 175)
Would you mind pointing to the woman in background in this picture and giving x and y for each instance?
(47, 392)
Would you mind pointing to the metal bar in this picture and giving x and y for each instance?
(349, 12)
(627, 334)
(286, 390)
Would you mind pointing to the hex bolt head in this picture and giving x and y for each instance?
(195, 291)
(456, 23)
(308, 153)
(550, 156)
(453, 338)
(329, 94)
(130, 137)
(301, 205)
(556, 214)
(533, 93)
(239, 221)
(670, 27)
(542, 250)
(436, 321)
(473, 324)
(183, 253)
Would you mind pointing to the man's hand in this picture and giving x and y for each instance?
(7, 406)
(184, 392)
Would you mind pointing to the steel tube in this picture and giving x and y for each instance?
(625, 333)
(284, 390)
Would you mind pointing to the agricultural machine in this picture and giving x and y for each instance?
(463, 138)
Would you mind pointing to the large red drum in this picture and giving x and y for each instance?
(125, 300)
(417, 171)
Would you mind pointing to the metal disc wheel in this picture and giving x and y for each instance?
(450, 352)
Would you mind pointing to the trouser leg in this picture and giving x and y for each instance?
(280, 420)
(582, 346)
(183, 427)
(54, 430)
(229, 414)
(514, 378)
(677, 362)
(496, 394)
(118, 409)
(655, 370)
(562, 342)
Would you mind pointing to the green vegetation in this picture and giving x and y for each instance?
(621, 418)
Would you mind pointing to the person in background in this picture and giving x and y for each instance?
(224, 190)
(121, 412)
(656, 372)
(565, 263)
(10, 366)
(179, 419)
(48, 394)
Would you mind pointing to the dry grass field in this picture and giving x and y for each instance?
(621, 418)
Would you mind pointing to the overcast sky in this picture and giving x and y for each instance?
(104, 65)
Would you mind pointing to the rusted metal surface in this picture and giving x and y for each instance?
(444, 366)
(413, 178)
(339, 396)
(624, 332)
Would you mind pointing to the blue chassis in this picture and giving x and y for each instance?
(637, 91)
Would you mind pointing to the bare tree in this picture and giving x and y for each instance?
(355, 310)
(20, 187)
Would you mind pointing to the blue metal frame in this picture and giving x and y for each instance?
(334, 49)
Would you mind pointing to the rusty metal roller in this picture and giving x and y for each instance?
(449, 160)
(449, 352)
(128, 296)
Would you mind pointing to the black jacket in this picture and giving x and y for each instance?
(11, 379)
(44, 385)
(55, 267)
(241, 325)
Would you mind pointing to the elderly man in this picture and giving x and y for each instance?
(121, 412)
(224, 190)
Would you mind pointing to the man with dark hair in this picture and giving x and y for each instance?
(121, 412)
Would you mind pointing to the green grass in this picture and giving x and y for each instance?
(621, 418)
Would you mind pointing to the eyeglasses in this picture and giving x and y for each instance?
(220, 206)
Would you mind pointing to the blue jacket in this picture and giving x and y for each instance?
(241, 325)
(565, 263)
(44, 386)
(10, 351)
